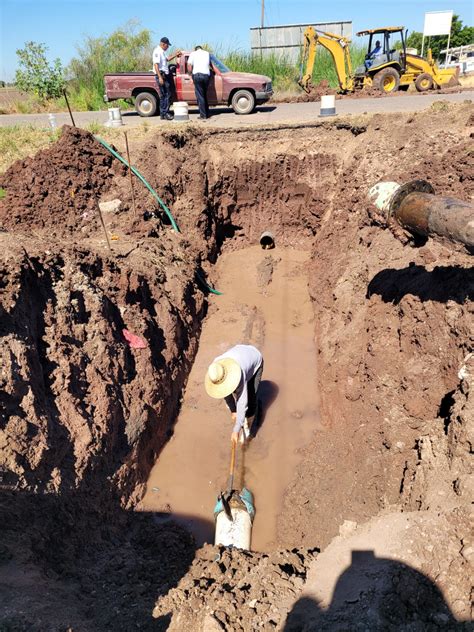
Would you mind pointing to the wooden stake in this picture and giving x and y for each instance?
(68, 107)
(131, 176)
(103, 224)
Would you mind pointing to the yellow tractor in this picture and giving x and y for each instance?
(385, 68)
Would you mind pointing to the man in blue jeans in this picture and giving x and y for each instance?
(199, 65)
(163, 76)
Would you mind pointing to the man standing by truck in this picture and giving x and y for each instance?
(163, 76)
(199, 64)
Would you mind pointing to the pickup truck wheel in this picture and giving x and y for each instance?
(146, 104)
(243, 102)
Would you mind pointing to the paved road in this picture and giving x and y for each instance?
(271, 113)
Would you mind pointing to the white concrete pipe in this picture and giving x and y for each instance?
(236, 532)
(382, 193)
(267, 240)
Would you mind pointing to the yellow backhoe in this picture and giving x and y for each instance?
(385, 68)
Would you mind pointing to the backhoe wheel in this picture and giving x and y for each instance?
(424, 82)
(387, 80)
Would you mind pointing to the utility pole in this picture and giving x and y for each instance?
(263, 14)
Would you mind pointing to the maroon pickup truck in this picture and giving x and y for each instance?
(240, 90)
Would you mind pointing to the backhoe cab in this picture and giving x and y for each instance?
(388, 68)
(384, 65)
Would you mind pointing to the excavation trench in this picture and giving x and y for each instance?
(266, 303)
(366, 337)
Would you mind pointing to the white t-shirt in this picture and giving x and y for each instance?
(159, 58)
(200, 60)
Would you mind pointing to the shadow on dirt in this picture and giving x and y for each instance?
(444, 283)
(82, 562)
(267, 394)
(376, 593)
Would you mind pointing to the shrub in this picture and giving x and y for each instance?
(125, 50)
(36, 75)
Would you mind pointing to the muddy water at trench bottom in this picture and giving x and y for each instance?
(265, 303)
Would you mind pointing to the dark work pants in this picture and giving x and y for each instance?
(252, 391)
(165, 93)
(201, 83)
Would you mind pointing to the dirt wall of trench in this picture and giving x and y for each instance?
(83, 413)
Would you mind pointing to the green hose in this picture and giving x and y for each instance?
(145, 182)
(156, 196)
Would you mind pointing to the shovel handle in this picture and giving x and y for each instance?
(232, 467)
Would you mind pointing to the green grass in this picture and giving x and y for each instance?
(20, 141)
(284, 74)
(85, 92)
(2, 193)
(324, 66)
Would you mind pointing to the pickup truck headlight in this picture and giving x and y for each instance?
(268, 86)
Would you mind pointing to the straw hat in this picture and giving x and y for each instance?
(222, 378)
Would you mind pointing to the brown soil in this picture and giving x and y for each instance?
(84, 416)
(277, 317)
(62, 181)
(228, 589)
(323, 88)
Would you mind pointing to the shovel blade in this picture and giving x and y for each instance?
(225, 503)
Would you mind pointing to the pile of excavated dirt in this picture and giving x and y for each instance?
(229, 589)
(323, 88)
(316, 92)
(378, 576)
(84, 415)
(63, 181)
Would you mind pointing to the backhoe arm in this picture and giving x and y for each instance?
(338, 48)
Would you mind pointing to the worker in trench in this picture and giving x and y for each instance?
(235, 377)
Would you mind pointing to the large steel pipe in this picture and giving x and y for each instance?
(416, 207)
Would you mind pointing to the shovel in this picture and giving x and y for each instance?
(226, 495)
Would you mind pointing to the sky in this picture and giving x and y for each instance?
(63, 24)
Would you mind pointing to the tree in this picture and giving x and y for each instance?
(460, 36)
(36, 75)
(414, 40)
(125, 50)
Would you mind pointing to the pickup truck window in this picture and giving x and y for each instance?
(219, 64)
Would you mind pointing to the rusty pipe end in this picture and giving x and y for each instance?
(388, 196)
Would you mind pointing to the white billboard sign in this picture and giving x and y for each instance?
(437, 23)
